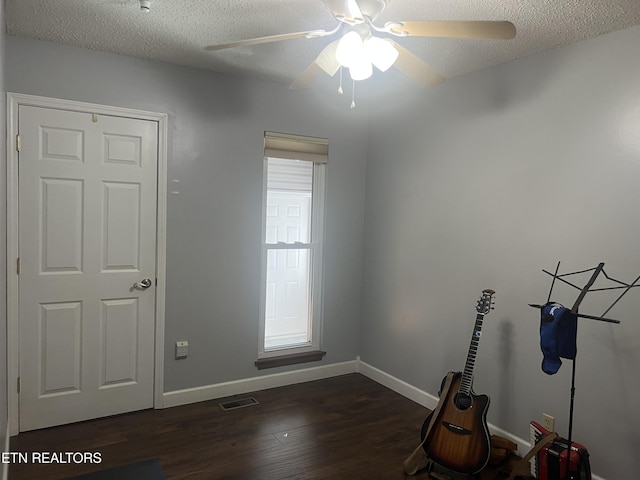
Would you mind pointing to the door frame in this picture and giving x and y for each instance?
(14, 100)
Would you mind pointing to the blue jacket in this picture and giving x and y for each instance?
(558, 330)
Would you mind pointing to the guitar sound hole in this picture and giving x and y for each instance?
(462, 401)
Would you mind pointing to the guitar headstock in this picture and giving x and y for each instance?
(486, 301)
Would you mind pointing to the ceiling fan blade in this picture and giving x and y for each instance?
(307, 77)
(257, 41)
(273, 38)
(325, 62)
(456, 29)
(346, 11)
(416, 69)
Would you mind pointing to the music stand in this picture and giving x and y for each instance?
(574, 310)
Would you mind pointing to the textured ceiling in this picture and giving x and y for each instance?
(176, 31)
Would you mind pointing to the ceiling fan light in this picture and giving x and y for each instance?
(349, 49)
(361, 69)
(381, 52)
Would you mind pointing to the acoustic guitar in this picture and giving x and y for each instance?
(459, 438)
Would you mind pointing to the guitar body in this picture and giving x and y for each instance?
(459, 438)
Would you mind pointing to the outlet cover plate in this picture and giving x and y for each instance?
(548, 422)
(182, 349)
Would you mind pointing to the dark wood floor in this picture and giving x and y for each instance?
(346, 427)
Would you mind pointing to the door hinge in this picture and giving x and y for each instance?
(18, 265)
(18, 142)
(18, 385)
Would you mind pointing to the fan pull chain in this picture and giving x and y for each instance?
(353, 95)
(340, 91)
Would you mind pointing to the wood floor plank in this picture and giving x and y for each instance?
(346, 427)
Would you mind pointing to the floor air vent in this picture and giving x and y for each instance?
(239, 403)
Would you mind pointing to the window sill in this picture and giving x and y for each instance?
(290, 359)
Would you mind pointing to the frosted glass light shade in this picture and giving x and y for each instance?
(349, 49)
(381, 52)
(361, 68)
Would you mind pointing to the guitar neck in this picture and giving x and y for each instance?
(467, 374)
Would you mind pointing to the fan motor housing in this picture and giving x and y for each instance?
(372, 8)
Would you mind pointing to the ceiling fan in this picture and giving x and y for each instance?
(360, 46)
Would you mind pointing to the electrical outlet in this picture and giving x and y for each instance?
(182, 349)
(548, 422)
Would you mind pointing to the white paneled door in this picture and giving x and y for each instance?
(87, 245)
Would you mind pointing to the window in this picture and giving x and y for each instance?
(292, 233)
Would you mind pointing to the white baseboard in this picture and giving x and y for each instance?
(430, 401)
(237, 387)
(427, 400)
(399, 386)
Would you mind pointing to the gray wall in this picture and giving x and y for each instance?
(216, 126)
(3, 248)
(485, 181)
(481, 182)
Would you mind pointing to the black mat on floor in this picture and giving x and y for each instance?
(145, 470)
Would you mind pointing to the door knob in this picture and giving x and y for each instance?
(142, 285)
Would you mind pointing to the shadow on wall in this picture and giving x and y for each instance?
(507, 372)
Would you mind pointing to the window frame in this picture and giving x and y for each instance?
(316, 251)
